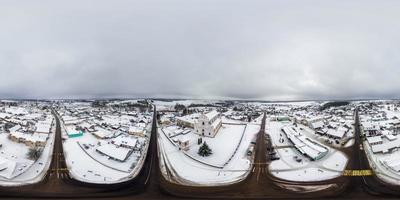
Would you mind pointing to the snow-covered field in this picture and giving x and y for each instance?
(83, 167)
(168, 105)
(93, 167)
(222, 150)
(191, 171)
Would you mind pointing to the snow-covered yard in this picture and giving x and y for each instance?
(222, 150)
(39, 168)
(191, 171)
(93, 167)
(126, 166)
(103, 145)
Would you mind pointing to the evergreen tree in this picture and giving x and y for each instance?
(34, 153)
(179, 107)
(204, 150)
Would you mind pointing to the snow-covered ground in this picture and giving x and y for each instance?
(191, 171)
(92, 167)
(169, 105)
(222, 150)
(107, 152)
(294, 166)
(385, 165)
(83, 167)
(17, 168)
(38, 169)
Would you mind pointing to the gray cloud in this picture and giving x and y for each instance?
(273, 50)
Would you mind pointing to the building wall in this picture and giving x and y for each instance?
(204, 127)
(184, 123)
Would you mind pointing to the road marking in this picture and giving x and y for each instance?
(260, 163)
(258, 174)
(60, 170)
(364, 172)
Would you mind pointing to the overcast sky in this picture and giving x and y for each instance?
(271, 50)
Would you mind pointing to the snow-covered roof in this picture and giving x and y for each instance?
(212, 114)
(304, 144)
(216, 123)
(369, 126)
(386, 146)
(4, 115)
(36, 137)
(390, 137)
(42, 127)
(317, 124)
(135, 129)
(124, 140)
(102, 133)
(188, 118)
(374, 139)
(183, 138)
(119, 153)
(15, 128)
(336, 132)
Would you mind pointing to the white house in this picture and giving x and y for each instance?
(374, 140)
(208, 124)
(183, 142)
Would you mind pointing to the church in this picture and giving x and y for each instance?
(208, 124)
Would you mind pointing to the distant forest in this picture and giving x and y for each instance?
(333, 104)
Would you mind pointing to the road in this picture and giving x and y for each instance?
(259, 169)
(150, 184)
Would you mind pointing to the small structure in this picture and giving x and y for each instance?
(183, 142)
(114, 152)
(75, 134)
(282, 118)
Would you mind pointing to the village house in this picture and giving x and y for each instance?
(183, 142)
(31, 140)
(187, 120)
(137, 131)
